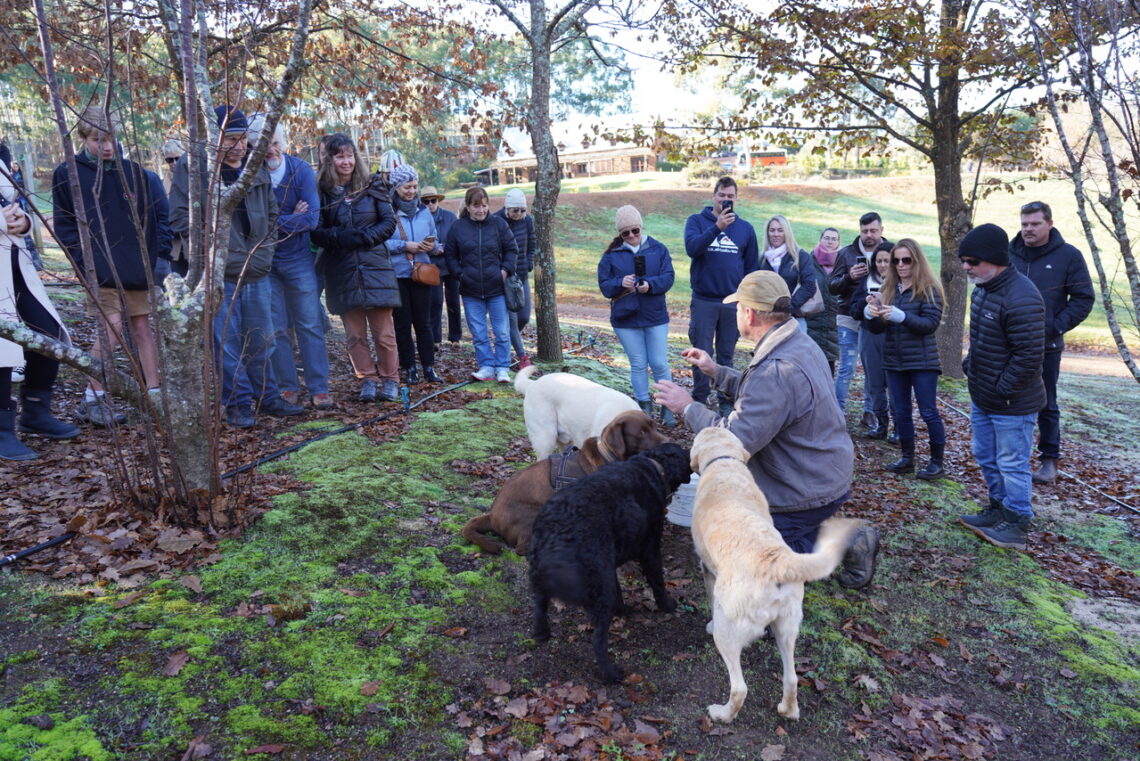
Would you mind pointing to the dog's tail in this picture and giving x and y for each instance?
(522, 378)
(830, 546)
(476, 528)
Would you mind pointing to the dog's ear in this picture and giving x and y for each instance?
(613, 435)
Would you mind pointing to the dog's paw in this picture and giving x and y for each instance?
(721, 713)
(789, 709)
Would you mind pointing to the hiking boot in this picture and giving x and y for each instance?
(98, 412)
(484, 373)
(524, 361)
(240, 416)
(879, 431)
(36, 417)
(933, 470)
(389, 390)
(278, 407)
(1047, 472)
(986, 518)
(11, 448)
(904, 464)
(368, 389)
(1010, 533)
(291, 396)
(413, 375)
(893, 438)
(859, 561)
(502, 375)
(869, 419)
(322, 401)
(430, 374)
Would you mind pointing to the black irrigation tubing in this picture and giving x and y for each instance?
(1064, 473)
(8, 559)
(408, 407)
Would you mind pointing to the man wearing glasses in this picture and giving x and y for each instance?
(1060, 273)
(723, 248)
(1003, 365)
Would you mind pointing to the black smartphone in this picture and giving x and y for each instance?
(725, 206)
(639, 267)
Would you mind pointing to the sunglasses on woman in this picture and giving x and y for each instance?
(633, 232)
(903, 260)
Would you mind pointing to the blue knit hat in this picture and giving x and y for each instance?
(402, 174)
(231, 120)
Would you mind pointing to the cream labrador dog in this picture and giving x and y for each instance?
(562, 409)
(754, 580)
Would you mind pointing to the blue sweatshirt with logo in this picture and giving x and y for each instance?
(720, 259)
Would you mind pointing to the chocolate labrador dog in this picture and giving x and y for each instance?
(513, 512)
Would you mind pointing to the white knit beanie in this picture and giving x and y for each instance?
(516, 199)
(627, 217)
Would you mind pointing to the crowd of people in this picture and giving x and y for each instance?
(390, 261)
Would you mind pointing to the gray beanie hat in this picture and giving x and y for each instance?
(402, 174)
(627, 217)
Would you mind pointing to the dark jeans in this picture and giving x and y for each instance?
(447, 293)
(1049, 418)
(709, 318)
(800, 529)
(414, 314)
(874, 376)
(40, 371)
(520, 319)
(925, 385)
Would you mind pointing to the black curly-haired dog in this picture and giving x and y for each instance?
(586, 531)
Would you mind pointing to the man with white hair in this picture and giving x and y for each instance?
(296, 292)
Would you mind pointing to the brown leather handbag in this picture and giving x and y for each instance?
(424, 273)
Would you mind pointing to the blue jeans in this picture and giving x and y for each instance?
(243, 337)
(706, 318)
(925, 385)
(645, 347)
(1002, 446)
(848, 352)
(479, 312)
(297, 306)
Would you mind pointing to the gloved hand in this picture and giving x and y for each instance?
(896, 315)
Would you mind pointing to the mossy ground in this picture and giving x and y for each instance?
(382, 617)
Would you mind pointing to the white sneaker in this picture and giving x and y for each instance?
(18, 374)
(484, 373)
(502, 376)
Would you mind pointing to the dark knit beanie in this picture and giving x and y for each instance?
(987, 242)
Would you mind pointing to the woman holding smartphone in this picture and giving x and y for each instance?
(635, 273)
(871, 346)
(414, 240)
(908, 309)
(783, 256)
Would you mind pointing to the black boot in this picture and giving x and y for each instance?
(904, 464)
(11, 448)
(413, 376)
(879, 431)
(933, 470)
(893, 437)
(430, 374)
(988, 517)
(1047, 472)
(36, 417)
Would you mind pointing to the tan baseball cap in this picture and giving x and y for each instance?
(430, 192)
(760, 290)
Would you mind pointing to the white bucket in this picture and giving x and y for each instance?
(680, 510)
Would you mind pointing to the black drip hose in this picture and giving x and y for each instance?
(31, 550)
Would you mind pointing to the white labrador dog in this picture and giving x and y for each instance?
(754, 580)
(562, 409)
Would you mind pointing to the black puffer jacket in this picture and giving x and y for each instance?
(842, 284)
(355, 263)
(1060, 273)
(478, 252)
(821, 327)
(1007, 345)
(910, 344)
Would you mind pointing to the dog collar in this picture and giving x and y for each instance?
(723, 457)
(604, 450)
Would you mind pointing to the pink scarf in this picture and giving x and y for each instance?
(824, 259)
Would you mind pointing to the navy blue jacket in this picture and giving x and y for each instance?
(110, 220)
(637, 310)
(478, 252)
(524, 237)
(841, 282)
(797, 274)
(720, 259)
(444, 219)
(355, 263)
(910, 344)
(1060, 273)
(298, 184)
(1007, 346)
